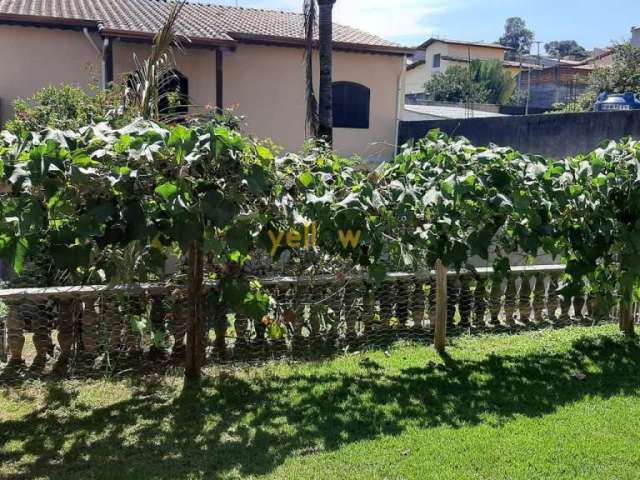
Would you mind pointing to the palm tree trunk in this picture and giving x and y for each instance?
(326, 69)
(310, 14)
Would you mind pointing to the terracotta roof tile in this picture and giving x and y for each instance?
(463, 42)
(198, 21)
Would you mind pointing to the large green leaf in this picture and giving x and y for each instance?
(167, 190)
(218, 209)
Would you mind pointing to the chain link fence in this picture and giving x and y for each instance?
(84, 331)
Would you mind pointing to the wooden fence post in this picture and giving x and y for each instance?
(3, 341)
(15, 334)
(195, 328)
(441, 307)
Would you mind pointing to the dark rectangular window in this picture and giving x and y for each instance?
(351, 105)
(436, 60)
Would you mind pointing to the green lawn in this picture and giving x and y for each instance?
(558, 404)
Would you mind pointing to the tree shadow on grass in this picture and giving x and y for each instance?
(238, 426)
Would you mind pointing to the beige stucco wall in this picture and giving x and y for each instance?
(482, 53)
(33, 58)
(265, 84)
(383, 74)
(416, 79)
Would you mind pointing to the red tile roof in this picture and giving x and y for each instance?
(463, 42)
(202, 23)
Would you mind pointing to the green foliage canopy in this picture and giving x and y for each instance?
(566, 48)
(494, 79)
(85, 196)
(484, 81)
(64, 107)
(517, 36)
(456, 84)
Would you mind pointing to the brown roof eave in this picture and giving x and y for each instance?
(149, 36)
(57, 22)
(49, 22)
(300, 42)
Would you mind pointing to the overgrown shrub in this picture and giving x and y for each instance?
(455, 84)
(483, 81)
(63, 107)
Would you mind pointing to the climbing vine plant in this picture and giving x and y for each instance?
(87, 196)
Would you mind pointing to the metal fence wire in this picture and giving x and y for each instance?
(82, 331)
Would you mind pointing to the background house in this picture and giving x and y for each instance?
(246, 59)
(635, 36)
(560, 83)
(436, 55)
(564, 81)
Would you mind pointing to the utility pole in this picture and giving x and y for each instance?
(538, 43)
(526, 110)
(520, 80)
(468, 110)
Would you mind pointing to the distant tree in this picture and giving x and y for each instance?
(517, 36)
(456, 85)
(566, 48)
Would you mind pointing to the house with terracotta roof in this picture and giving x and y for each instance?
(246, 59)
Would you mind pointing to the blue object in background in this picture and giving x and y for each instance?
(614, 102)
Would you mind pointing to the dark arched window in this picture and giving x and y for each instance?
(351, 105)
(174, 95)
